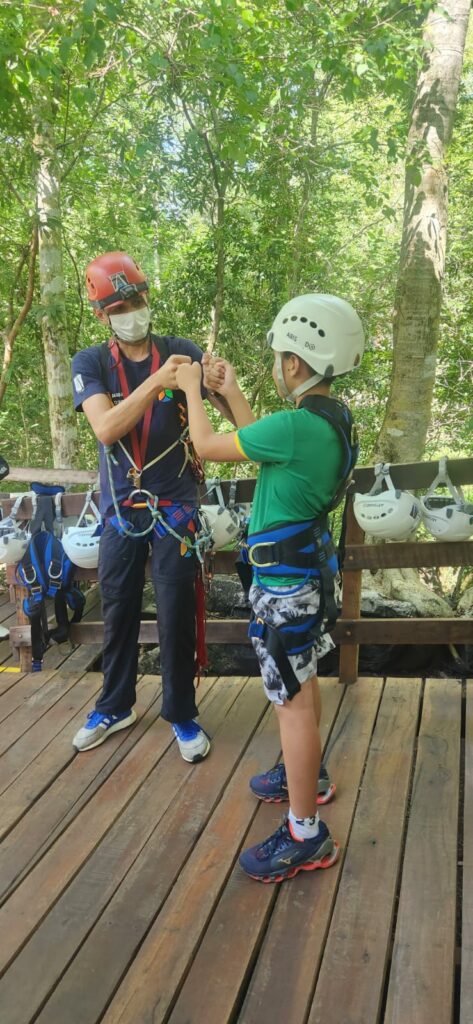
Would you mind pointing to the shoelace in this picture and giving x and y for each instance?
(279, 841)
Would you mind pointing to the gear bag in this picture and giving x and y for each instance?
(46, 571)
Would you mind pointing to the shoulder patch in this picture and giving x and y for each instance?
(79, 383)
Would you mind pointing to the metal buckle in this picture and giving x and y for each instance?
(262, 544)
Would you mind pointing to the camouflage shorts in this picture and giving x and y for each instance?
(278, 609)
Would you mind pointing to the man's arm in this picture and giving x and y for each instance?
(112, 422)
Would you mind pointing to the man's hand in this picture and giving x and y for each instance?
(166, 376)
(187, 374)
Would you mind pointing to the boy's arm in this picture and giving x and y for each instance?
(209, 445)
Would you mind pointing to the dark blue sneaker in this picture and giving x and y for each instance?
(282, 856)
(272, 786)
(193, 742)
(98, 726)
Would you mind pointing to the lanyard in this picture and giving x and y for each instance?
(138, 447)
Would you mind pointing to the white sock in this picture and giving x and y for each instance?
(304, 828)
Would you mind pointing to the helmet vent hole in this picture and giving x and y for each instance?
(303, 319)
(285, 320)
(313, 325)
(294, 318)
(322, 334)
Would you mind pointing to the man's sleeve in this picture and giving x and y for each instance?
(185, 347)
(268, 440)
(86, 377)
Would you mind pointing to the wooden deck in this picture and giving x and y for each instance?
(122, 899)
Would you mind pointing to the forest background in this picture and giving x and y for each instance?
(243, 152)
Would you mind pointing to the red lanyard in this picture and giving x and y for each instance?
(138, 447)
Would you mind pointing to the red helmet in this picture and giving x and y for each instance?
(112, 278)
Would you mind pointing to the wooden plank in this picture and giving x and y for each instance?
(407, 554)
(227, 948)
(70, 788)
(466, 989)
(403, 631)
(421, 979)
(176, 930)
(301, 917)
(147, 991)
(351, 602)
(41, 888)
(415, 475)
(51, 475)
(30, 718)
(350, 983)
(39, 773)
(146, 848)
(26, 685)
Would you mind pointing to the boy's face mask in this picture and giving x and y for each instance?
(131, 327)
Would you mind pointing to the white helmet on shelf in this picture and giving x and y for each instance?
(14, 537)
(13, 541)
(221, 523)
(323, 330)
(390, 514)
(81, 542)
(447, 518)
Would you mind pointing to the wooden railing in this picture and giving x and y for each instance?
(351, 630)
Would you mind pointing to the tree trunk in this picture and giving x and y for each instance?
(53, 299)
(422, 260)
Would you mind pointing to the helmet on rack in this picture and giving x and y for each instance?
(324, 331)
(446, 518)
(222, 524)
(390, 514)
(13, 541)
(81, 542)
(112, 278)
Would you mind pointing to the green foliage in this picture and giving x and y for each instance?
(293, 115)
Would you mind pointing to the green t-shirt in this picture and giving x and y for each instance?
(301, 461)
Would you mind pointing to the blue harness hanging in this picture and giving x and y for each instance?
(306, 550)
(46, 571)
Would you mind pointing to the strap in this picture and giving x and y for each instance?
(138, 447)
(339, 416)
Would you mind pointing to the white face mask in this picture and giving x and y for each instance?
(131, 327)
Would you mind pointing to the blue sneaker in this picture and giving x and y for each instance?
(272, 786)
(193, 742)
(98, 726)
(282, 856)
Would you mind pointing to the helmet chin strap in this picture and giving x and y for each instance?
(290, 396)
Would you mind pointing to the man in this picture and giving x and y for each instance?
(148, 481)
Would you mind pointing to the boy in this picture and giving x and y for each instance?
(314, 338)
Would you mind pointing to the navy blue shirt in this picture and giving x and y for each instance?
(163, 478)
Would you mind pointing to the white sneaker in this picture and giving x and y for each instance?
(98, 726)
(193, 742)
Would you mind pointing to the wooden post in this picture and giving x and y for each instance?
(351, 599)
(25, 653)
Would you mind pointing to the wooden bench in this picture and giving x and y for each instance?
(351, 630)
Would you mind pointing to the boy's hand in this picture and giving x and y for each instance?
(227, 377)
(213, 373)
(187, 374)
(166, 376)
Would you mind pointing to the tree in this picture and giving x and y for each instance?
(422, 260)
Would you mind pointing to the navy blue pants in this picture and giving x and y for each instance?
(122, 562)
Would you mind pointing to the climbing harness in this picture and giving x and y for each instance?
(304, 550)
(46, 571)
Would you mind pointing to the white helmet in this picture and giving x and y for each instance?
(389, 514)
(81, 542)
(221, 523)
(323, 330)
(13, 541)
(447, 518)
